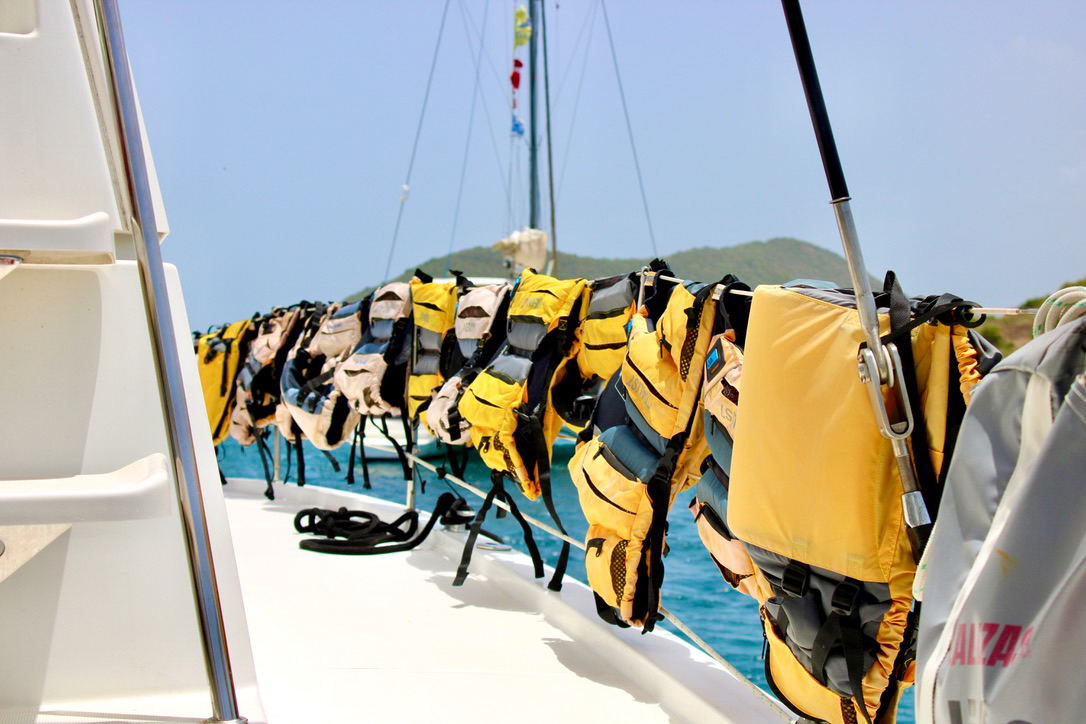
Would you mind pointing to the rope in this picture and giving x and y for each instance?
(471, 126)
(1063, 307)
(415, 147)
(629, 128)
(697, 640)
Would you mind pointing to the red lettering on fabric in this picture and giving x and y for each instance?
(1003, 651)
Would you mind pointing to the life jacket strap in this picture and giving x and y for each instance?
(265, 455)
(843, 626)
(497, 492)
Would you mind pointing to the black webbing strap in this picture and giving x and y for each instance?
(357, 443)
(900, 326)
(397, 446)
(458, 464)
(301, 459)
(544, 468)
(497, 492)
(313, 385)
(473, 531)
(843, 625)
(608, 613)
(227, 343)
(659, 492)
(659, 485)
(265, 454)
(332, 460)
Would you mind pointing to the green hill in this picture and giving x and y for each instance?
(756, 262)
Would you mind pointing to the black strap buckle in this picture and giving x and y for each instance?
(796, 579)
(846, 598)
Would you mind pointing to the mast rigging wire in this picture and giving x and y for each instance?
(590, 20)
(576, 102)
(629, 128)
(471, 124)
(486, 108)
(415, 147)
(552, 265)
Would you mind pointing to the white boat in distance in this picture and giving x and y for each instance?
(131, 587)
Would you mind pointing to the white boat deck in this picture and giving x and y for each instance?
(499, 648)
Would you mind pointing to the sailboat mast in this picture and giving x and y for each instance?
(533, 138)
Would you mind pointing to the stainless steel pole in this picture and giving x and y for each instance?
(878, 364)
(168, 367)
(409, 429)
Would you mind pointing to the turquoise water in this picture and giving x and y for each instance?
(693, 588)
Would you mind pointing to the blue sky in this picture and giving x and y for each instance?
(282, 132)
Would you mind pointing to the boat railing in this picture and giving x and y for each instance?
(168, 366)
(416, 460)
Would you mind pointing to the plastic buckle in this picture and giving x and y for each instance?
(795, 581)
(846, 598)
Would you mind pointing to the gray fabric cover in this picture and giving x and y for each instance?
(1001, 635)
(428, 340)
(526, 335)
(806, 614)
(631, 453)
(712, 493)
(381, 328)
(618, 295)
(657, 440)
(720, 443)
(512, 366)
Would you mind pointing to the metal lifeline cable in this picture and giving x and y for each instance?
(471, 125)
(415, 147)
(629, 127)
(697, 640)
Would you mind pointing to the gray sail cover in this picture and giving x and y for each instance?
(1002, 635)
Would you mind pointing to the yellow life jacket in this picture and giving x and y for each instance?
(815, 494)
(509, 405)
(603, 330)
(218, 357)
(433, 306)
(720, 396)
(479, 332)
(513, 424)
(629, 474)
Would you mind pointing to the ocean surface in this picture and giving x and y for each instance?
(693, 589)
